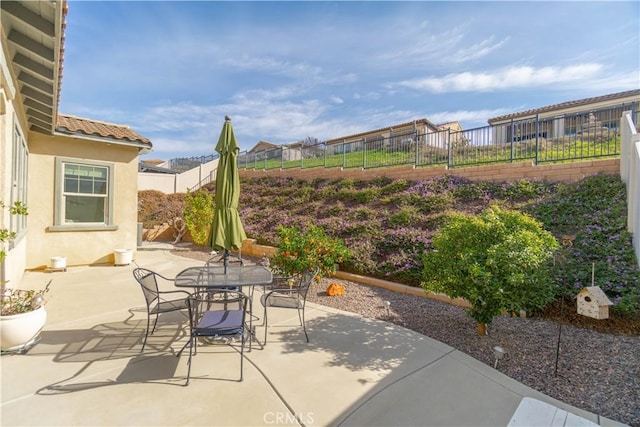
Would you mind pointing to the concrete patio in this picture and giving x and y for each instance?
(88, 370)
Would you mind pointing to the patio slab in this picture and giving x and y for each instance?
(88, 370)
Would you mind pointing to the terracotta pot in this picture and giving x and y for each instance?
(21, 330)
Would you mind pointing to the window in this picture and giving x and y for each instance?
(19, 163)
(84, 195)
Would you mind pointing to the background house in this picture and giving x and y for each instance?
(393, 137)
(77, 176)
(567, 118)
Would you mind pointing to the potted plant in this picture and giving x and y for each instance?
(22, 313)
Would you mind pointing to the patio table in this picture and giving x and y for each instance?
(219, 277)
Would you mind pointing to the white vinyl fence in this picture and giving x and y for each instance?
(630, 174)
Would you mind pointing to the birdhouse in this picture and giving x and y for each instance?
(592, 302)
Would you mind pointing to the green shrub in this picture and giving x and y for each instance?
(198, 215)
(300, 251)
(404, 216)
(497, 261)
(396, 186)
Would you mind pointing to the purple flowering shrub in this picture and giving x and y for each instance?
(388, 224)
(594, 212)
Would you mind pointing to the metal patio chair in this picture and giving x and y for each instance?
(158, 301)
(218, 320)
(287, 292)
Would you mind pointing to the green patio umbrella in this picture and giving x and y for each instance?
(227, 231)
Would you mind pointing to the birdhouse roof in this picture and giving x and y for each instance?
(597, 294)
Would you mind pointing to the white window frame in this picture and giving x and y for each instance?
(60, 223)
(19, 176)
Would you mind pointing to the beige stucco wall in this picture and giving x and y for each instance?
(79, 247)
(10, 115)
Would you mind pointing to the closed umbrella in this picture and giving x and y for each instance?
(227, 231)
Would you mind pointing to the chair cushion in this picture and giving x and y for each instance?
(220, 322)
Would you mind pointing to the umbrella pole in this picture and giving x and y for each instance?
(225, 260)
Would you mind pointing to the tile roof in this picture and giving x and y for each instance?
(80, 126)
(567, 104)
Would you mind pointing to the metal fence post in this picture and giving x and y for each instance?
(344, 155)
(364, 153)
(537, 136)
(324, 154)
(449, 150)
(511, 142)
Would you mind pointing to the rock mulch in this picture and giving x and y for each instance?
(596, 371)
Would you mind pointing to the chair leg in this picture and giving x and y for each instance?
(304, 325)
(244, 333)
(266, 325)
(146, 334)
(155, 322)
(189, 361)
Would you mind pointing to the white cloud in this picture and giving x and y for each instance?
(476, 51)
(336, 99)
(507, 78)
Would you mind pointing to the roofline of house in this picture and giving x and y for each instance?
(412, 122)
(141, 146)
(568, 104)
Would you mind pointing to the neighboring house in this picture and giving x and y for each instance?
(268, 150)
(566, 118)
(263, 146)
(396, 137)
(76, 176)
(451, 126)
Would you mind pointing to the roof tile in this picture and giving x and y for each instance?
(77, 125)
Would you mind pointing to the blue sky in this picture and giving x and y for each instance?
(285, 71)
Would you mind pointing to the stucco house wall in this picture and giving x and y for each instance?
(80, 246)
(15, 261)
(38, 144)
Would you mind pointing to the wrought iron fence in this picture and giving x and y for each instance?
(568, 137)
(183, 164)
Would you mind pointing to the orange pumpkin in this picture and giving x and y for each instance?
(335, 289)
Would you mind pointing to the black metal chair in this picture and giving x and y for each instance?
(216, 319)
(288, 292)
(158, 301)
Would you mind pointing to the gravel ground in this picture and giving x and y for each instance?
(596, 371)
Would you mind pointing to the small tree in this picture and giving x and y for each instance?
(497, 261)
(300, 251)
(198, 215)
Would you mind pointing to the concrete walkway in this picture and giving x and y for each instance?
(88, 369)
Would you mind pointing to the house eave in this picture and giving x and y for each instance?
(142, 147)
